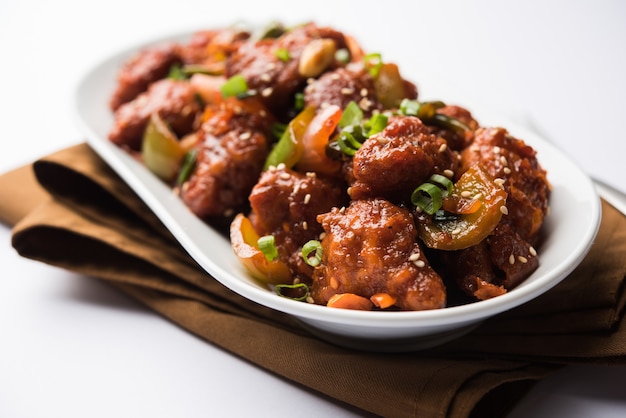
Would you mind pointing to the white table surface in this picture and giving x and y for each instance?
(71, 346)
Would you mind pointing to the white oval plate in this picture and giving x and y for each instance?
(569, 230)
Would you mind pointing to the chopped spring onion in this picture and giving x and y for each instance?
(235, 86)
(443, 181)
(187, 166)
(376, 124)
(272, 31)
(267, 245)
(354, 130)
(282, 54)
(427, 112)
(352, 115)
(176, 72)
(299, 101)
(312, 252)
(429, 196)
(300, 289)
(448, 122)
(373, 62)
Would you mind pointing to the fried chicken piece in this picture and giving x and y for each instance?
(370, 250)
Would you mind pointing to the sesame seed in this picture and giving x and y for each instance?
(296, 280)
(333, 283)
(229, 212)
(342, 210)
(414, 257)
(507, 170)
(262, 113)
(334, 76)
(266, 92)
(443, 147)
(448, 173)
(281, 166)
(265, 77)
(504, 210)
(245, 135)
(285, 176)
(511, 259)
(363, 92)
(271, 168)
(532, 251)
(310, 300)
(296, 188)
(499, 182)
(503, 160)
(307, 198)
(311, 174)
(365, 103)
(270, 65)
(456, 231)
(522, 259)
(322, 235)
(420, 263)
(466, 193)
(324, 105)
(346, 91)
(305, 225)
(478, 196)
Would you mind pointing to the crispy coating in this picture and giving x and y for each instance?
(394, 162)
(143, 69)
(286, 204)
(173, 100)
(370, 249)
(232, 147)
(525, 181)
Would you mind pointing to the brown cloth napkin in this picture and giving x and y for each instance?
(72, 197)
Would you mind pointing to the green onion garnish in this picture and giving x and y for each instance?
(298, 289)
(282, 54)
(376, 124)
(373, 62)
(429, 196)
(299, 101)
(187, 166)
(443, 181)
(312, 253)
(352, 115)
(267, 245)
(234, 86)
(176, 73)
(427, 112)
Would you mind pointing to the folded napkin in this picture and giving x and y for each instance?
(73, 197)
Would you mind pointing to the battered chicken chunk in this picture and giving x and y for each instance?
(286, 204)
(370, 249)
(232, 147)
(143, 69)
(272, 67)
(394, 162)
(173, 100)
(525, 181)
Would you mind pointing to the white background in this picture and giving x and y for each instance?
(73, 347)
